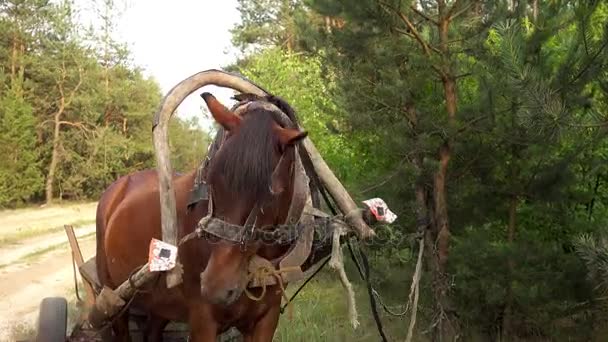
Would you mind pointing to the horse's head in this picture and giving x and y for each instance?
(249, 181)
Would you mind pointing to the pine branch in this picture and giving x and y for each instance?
(414, 33)
(420, 13)
(591, 62)
(388, 178)
(79, 125)
(453, 15)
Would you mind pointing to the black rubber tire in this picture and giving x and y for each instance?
(52, 320)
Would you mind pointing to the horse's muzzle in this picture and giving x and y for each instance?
(223, 296)
(220, 294)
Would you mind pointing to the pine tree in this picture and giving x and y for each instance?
(266, 23)
(20, 177)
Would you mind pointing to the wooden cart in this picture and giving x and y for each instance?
(53, 313)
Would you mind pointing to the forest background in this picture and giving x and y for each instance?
(482, 123)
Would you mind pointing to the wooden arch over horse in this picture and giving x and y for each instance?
(252, 213)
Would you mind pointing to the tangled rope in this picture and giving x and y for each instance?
(263, 272)
(336, 262)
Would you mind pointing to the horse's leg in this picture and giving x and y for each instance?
(264, 329)
(203, 327)
(120, 327)
(154, 328)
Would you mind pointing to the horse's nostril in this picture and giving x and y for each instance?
(231, 295)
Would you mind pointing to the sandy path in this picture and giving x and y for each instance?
(38, 267)
(11, 254)
(22, 288)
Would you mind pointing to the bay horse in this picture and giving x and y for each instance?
(242, 175)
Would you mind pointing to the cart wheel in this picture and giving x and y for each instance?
(53, 320)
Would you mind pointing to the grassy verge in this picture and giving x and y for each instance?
(37, 207)
(13, 238)
(320, 313)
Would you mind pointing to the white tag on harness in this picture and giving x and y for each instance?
(162, 256)
(380, 210)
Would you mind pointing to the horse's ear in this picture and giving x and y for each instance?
(289, 136)
(220, 113)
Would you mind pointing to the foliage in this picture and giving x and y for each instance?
(75, 112)
(267, 23)
(20, 176)
(528, 166)
(299, 79)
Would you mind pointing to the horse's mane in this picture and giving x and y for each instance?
(284, 107)
(246, 159)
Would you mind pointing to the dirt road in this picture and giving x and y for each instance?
(38, 266)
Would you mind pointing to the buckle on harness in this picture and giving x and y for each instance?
(248, 233)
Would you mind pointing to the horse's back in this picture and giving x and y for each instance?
(112, 201)
(128, 217)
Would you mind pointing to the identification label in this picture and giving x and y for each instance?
(162, 256)
(380, 210)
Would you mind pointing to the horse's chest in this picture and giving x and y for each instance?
(243, 314)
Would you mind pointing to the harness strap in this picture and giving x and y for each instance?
(200, 189)
(281, 234)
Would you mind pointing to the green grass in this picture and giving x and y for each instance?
(13, 238)
(320, 313)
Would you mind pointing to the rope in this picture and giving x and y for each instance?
(386, 308)
(262, 273)
(372, 299)
(337, 263)
(370, 290)
(304, 284)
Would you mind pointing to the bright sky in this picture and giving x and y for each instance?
(174, 39)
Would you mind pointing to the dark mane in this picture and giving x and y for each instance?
(284, 107)
(245, 160)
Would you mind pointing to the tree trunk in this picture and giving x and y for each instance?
(447, 328)
(437, 238)
(534, 10)
(50, 178)
(447, 325)
(14, 59)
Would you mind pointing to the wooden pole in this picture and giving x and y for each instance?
(223, 79)
(343, 200)
(77, 253)
(109, 302)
